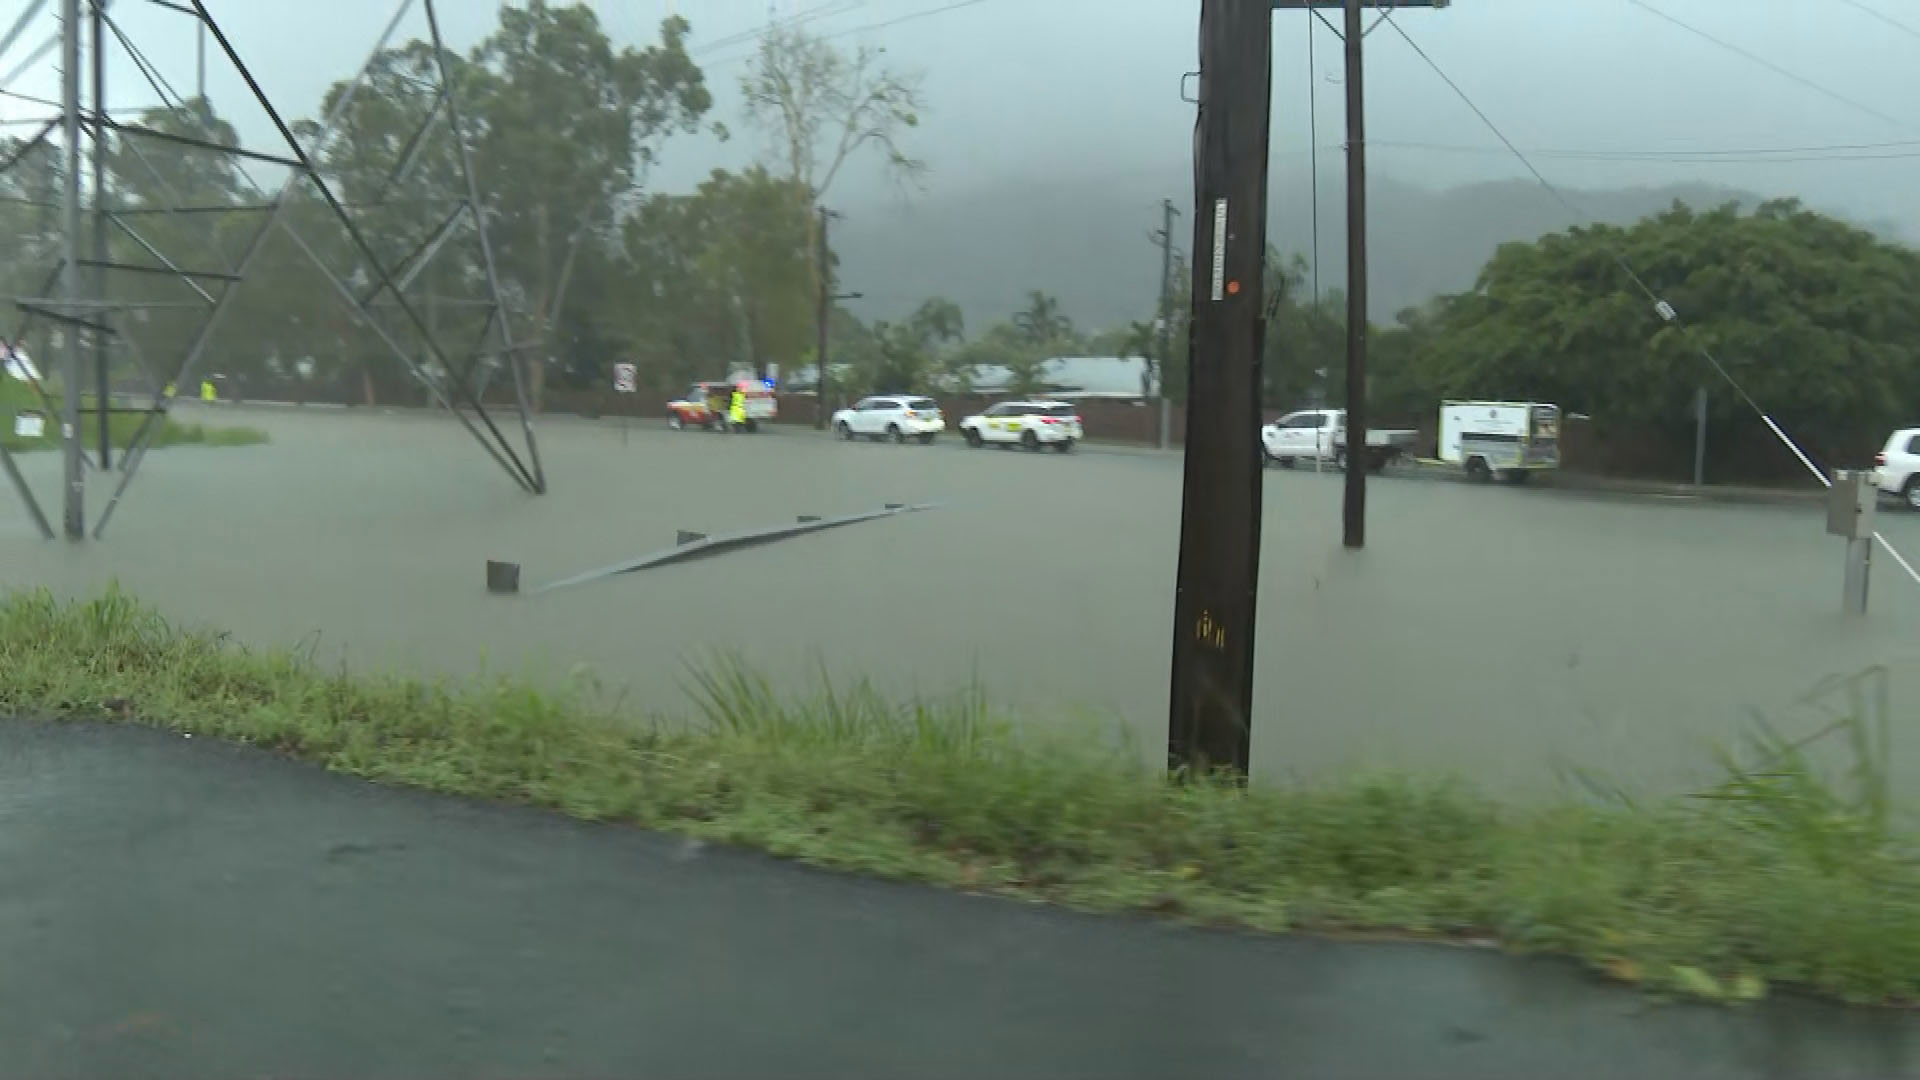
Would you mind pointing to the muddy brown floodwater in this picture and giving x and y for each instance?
(1497, 633)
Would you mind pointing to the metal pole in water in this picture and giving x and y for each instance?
(74, 516)
(1700, 437)
(1853, 584)
(102, 391)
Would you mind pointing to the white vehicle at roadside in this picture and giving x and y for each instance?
(1321, 435)
(1032, 424)
(1896, 468)
(898, 417)
(1510, 439)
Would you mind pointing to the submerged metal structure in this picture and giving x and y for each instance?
(78, 303)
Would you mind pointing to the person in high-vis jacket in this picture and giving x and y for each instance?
(737, 408)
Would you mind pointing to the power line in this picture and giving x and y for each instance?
(956, 6)
(872, 26)
(1887, 151)
(1883, 17)
(1660, 305)
(818, 11)
(1768, 64)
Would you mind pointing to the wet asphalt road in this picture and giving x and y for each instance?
(183, 908)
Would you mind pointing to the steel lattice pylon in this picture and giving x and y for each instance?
(79, 303)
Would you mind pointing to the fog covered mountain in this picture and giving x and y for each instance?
(1087, 239)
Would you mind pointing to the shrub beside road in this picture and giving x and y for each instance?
(1775, 878)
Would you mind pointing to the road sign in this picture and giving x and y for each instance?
(623, 378)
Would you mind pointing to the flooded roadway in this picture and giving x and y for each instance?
(1494, 632)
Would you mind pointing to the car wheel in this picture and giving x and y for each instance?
(1340, 461)
(1285, 462)
(926, 440)
(1911, 492)
(1477, 470)
(894, 433)
(973, 439)
(1029, 440)
(753, 426)
(844, 431)
(1064, 446)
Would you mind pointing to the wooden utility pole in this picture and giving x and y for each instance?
(1353, 521)
(1210, 720)
(1354, 31)
(1165, 327)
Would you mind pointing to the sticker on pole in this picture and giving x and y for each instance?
(623, 378)
(1219, 248)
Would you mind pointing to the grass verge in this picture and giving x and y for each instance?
(1778, 878)
(16, 397)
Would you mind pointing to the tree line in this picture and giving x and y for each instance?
(1813, 316)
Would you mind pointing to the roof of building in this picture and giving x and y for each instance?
(1076, 376)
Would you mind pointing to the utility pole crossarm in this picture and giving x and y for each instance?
(1388, 5)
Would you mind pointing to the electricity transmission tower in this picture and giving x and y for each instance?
(86, 316)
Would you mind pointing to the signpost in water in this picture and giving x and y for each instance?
(624, 382)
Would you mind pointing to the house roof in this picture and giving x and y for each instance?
(1076, 376)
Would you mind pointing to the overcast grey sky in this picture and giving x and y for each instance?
(1086, 87)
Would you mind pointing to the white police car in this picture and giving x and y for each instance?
(1032, 424)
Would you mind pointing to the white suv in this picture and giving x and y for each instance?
(1031, 424)
(1897, 466)
(891, 417)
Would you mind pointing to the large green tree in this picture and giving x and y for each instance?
(717, 279)
(907, 357)
(1816, 319)
(562, 127)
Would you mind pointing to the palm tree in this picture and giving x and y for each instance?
(1042, 322)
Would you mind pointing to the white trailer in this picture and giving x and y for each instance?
(1512, 438)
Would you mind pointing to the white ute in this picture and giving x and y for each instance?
(1321, 435)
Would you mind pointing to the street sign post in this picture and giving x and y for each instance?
(625, 381)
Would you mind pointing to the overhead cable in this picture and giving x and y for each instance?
(1755, 58)
(1661, 307)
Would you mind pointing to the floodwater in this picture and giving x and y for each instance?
(1495, 632)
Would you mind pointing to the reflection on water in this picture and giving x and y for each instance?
(1488, 631)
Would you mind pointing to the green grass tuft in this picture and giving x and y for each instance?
(16, 396)
(1778, 876)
